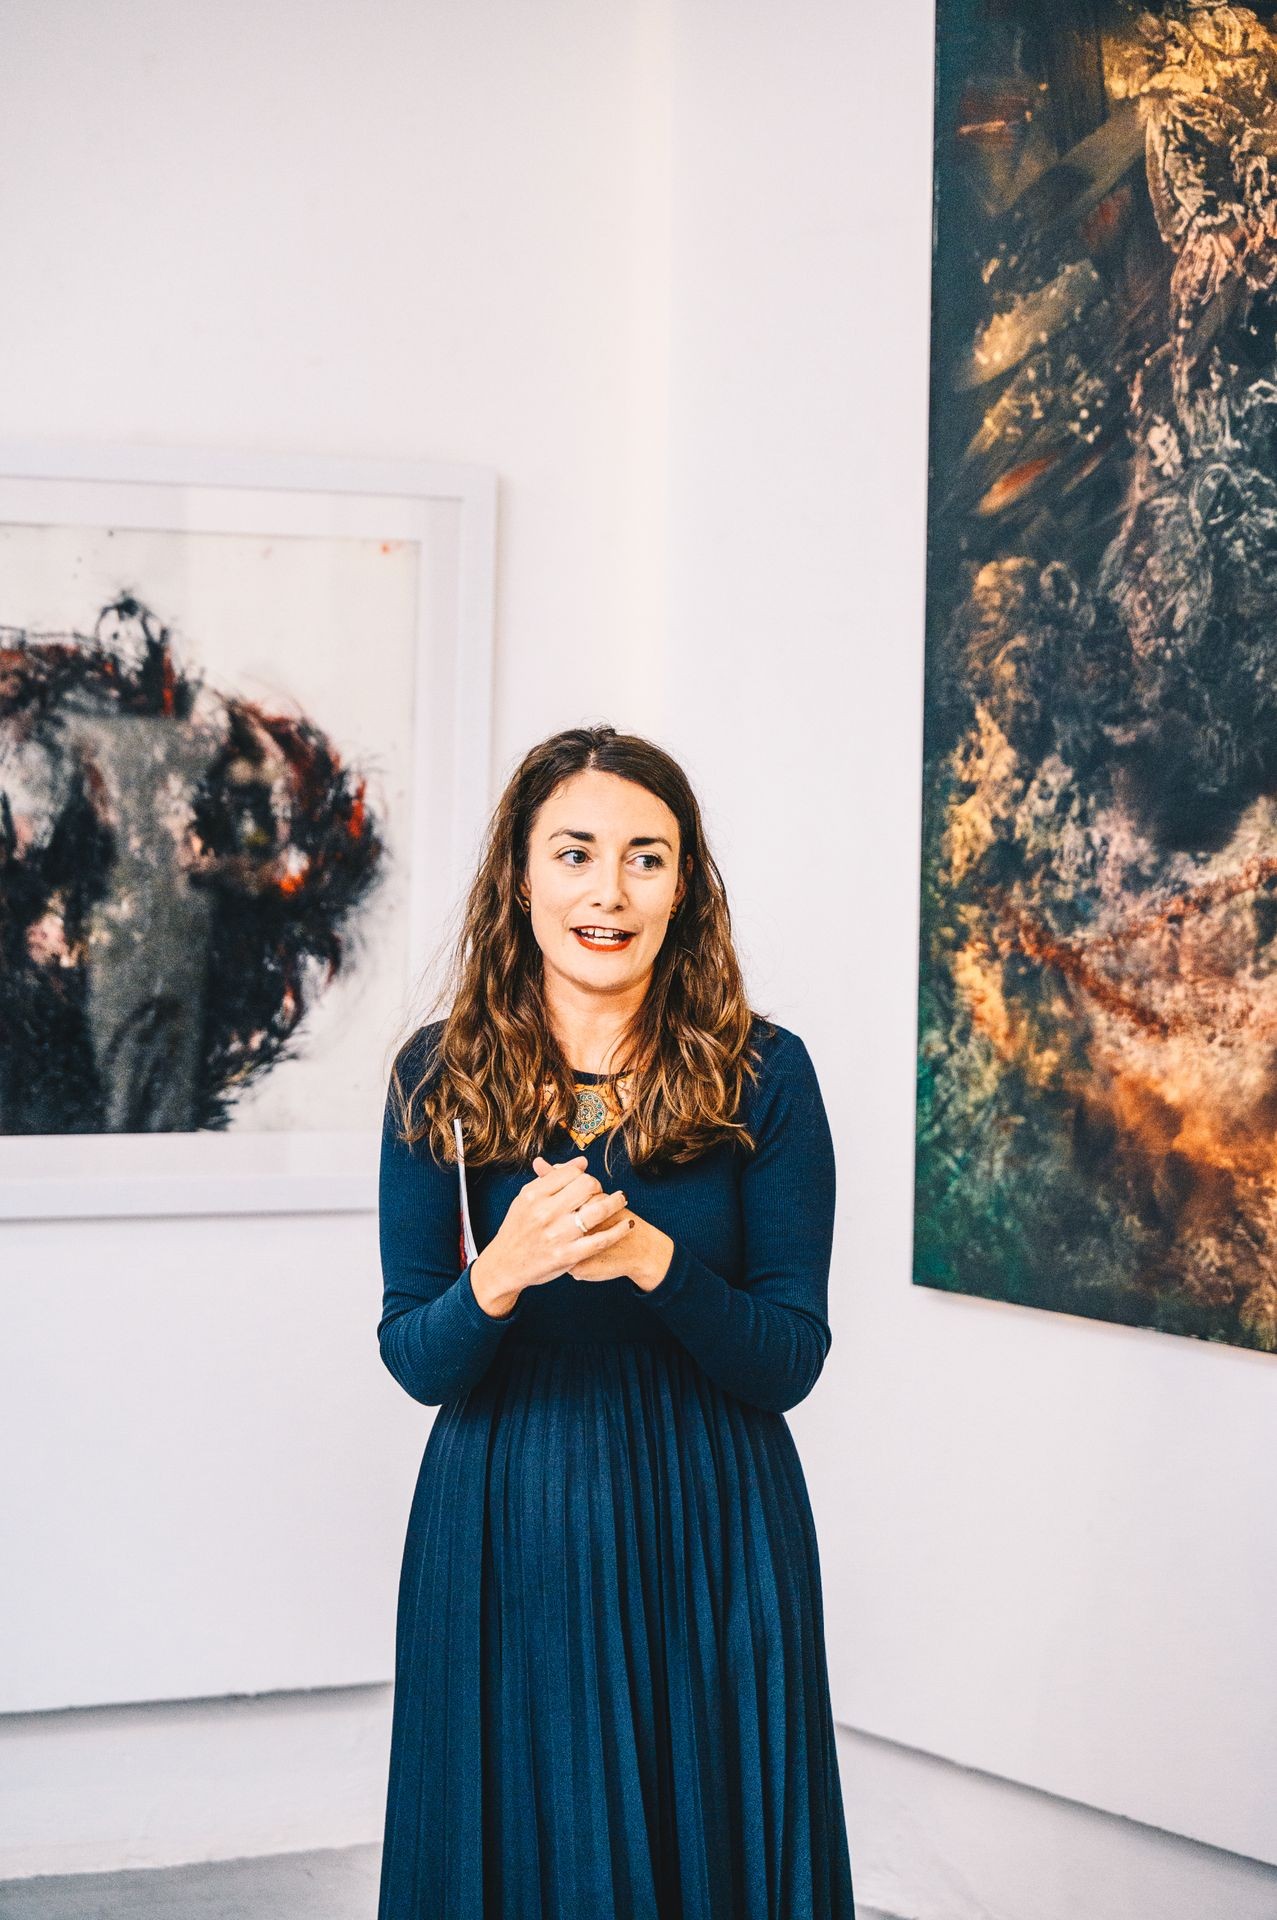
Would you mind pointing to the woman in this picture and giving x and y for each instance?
(611, 1695)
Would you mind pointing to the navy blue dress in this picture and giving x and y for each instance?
(611, 1698)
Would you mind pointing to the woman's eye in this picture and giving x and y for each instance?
(655, 858)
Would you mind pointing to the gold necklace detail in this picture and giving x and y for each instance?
(597, 1108)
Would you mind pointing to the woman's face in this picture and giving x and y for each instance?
(602, 853)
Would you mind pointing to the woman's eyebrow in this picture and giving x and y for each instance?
(639, 840)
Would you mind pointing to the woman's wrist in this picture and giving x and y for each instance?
(495, 1298)
(654, 1253)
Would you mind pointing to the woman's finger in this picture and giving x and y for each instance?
(601, 1206)
(600, 1238)
(541, 1165)
(558, 1175)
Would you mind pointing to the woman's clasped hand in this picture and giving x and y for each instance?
(541, 1235)
(603, 1252)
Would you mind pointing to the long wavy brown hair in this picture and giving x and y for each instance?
(497, 1065)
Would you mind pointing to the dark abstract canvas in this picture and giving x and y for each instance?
(1097, 1094)
(171, 858)
(207, 739)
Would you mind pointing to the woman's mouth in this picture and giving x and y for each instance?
(602, 939)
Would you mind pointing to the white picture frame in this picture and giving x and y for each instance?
(227, 510)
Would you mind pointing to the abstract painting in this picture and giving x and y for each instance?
(182, 872)
(1097, 1086)
(229, 813)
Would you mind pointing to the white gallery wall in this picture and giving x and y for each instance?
(666, 269)
(398, 231)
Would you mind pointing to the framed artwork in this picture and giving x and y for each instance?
(244, 761)
(1097, 1048)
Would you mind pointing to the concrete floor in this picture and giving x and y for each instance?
(338, 1884)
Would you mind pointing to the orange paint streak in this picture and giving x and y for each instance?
(1218, 1009)
(1014, 485)
(1248, 878)
(168, 684)
(1020, 933)
(1208, 1164)
(1104, 219)
(993, 116)
(1226, 1158)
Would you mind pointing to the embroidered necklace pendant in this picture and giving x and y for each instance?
(596, 1110)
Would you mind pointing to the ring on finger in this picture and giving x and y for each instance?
(576, 1215)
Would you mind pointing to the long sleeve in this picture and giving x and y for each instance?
(765, 1340)
(434, 1336)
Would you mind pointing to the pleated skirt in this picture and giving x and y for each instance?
(611, 1695)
